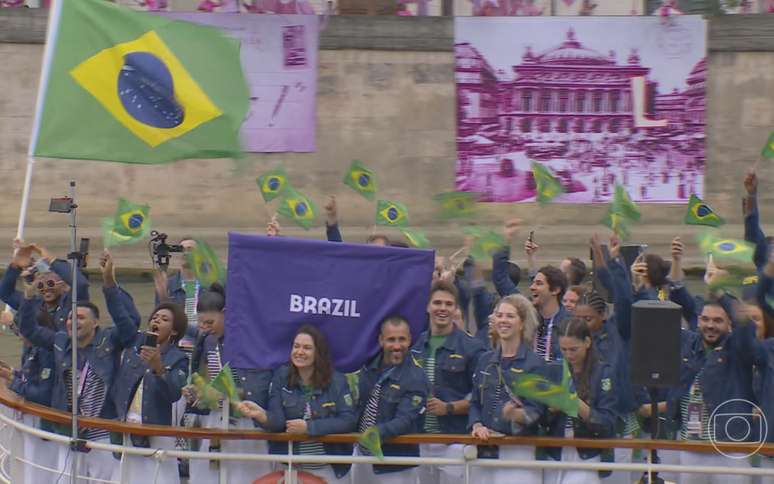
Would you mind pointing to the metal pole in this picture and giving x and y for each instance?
(74, 262)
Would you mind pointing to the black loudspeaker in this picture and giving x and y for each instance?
(655, 356)
(629, 252)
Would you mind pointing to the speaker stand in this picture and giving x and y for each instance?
(652, 477)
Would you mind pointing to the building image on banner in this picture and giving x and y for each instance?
(598, 101)
(599, 7)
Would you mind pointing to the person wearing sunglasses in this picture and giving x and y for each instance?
(51, 278)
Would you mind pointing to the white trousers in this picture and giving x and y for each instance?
(572, 476)
(238, 472)
(441, 474)
(364, 474)
(96, 464)
(41, 452)
(767, 463)
(494, 475)
(201, 471)
(705, 459)
(150, 470)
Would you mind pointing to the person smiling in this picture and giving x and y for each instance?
(493, 407)
(449, 357)
(149, 382)
(393, 392)
(309, 397)
(546, 291)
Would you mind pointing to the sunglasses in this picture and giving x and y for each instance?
(49, 283)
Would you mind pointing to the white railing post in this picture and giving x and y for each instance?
(289, 471)
(123, 476)
(222, 471)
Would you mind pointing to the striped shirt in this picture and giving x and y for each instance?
(431, 421)
(690, 404)
(91, 399)
(310, 447)
(368, 419)
(542, 345)
(191, 300)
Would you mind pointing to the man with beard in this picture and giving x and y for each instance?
(393, 389)
(713, 400)
(449, 357)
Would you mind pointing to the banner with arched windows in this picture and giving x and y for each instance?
(599, 101)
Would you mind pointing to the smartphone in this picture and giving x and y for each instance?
(151, 339)
(531, 237)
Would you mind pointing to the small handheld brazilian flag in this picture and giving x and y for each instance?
(415, 237)
(361, 179)
(150, 89)
(298, 208)
(225, 384)
(457, 204)
(129, 224)
(768, 148)
(622, 204)
(699, 213)
(547, 186)
(617, 223)
(486, 244)
(205, 264)
(206, 396)
(540, 389)
(272, 184)
(728, 248)
(391, 213)
(372, 441)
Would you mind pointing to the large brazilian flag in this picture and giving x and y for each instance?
(138, 88)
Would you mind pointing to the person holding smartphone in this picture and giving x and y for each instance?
(493, 407)
(150, 379)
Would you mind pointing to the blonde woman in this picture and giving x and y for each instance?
(494, 409)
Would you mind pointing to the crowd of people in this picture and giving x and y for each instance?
(445, 381)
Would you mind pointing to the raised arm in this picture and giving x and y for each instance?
(332, 220)
(20, 261)
(752, 226)
(500, 260)
(125, 328)
(28, 322)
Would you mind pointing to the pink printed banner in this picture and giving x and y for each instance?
(597, 100)
(279, 59)
(599, 7)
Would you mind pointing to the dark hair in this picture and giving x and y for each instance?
(323, 367)
(658, 269)
(400, 244)
(514, 272)
(91, 306)
(555, 279)
(578, 329)
(179, 319)
(579, 290)
(445, 287)
(375, 237)
(576, 273)
(393, 321)
(594, 300)
(212, 299)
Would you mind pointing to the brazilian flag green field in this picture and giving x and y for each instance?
(138, 88)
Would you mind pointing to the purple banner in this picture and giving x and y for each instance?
(276, 284)
(279, 58)
(597, 100)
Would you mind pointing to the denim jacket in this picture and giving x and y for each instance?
(754, 234)
(102, 353)
(401, 405)
(603, 401)
(35, 380)
(728, 371)
(159, 393)
(502, 281)
(489, 375)
(455, 363)
(331, 409)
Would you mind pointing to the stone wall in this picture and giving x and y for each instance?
(386, 97)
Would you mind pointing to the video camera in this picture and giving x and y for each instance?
(162, 251)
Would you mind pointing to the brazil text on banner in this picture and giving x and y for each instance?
(276, 284)
(138, 88)
(279, 57)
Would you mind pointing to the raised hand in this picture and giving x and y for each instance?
(108, 268)
(273, 228)
(23, 256)
(751, 183)
(331, 210)
(511, 227)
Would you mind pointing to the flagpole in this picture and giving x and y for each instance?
(55, 13)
